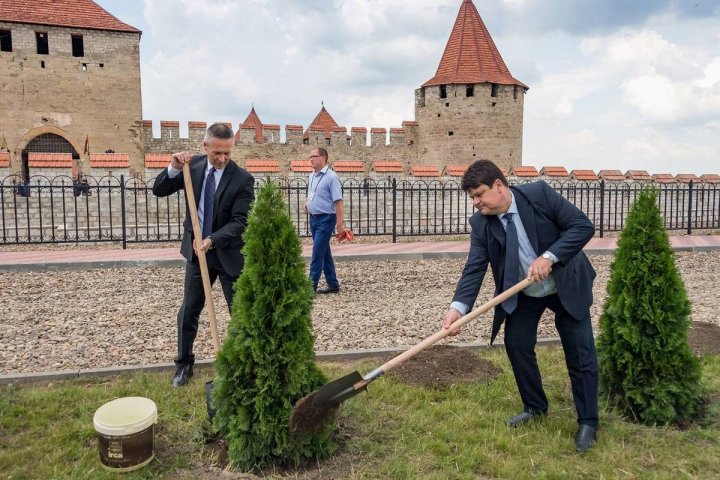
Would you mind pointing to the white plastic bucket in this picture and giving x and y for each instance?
(126, 433)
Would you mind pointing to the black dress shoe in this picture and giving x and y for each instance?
(522, 418)
(182, 375)
(328, 290)
(584, 438)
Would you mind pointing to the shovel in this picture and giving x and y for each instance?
(311, 411)
(197, 233)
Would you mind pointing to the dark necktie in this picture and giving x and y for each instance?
(209, 198)
(512, 262)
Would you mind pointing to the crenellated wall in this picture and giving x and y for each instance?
(401, 146)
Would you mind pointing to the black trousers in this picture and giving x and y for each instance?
(579, 348)
(194, 301)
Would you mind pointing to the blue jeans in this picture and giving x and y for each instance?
(321, 228)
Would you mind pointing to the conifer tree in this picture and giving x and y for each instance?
(267, 361)
(646, 366)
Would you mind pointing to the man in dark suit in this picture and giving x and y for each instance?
(224, 193)
(544, 235)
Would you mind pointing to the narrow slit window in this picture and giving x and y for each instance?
(470, 91)
(494, 90)
(443, 91)
(5, 41)
(78, 47)
(515, 92)
(41, 38)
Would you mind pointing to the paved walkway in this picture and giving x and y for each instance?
(76, 259)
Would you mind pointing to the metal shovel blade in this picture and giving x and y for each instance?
(333, 393)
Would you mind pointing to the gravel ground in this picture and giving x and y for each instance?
(112, 317)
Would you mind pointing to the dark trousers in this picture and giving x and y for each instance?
(580, 357)
(194, 301)
(321, 228)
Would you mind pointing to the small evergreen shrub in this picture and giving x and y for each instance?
(267, 361)
(646, 366)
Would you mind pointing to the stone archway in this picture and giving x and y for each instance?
(51, 140)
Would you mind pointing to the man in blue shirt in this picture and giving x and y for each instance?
(324, 205)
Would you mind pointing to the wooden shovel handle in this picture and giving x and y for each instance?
(444, 332)
(201, 255)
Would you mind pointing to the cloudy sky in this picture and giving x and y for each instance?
(614, 84)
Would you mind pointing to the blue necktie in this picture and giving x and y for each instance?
(208, 201)
(512, 262)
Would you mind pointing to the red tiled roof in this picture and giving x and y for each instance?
(583, 175)
(378, 130)
(4, 159)
(339, 129)
(252, 121)
(157, 160)
(359, 129)
(424, 171)
(554, 171)
(663, 178)
(147, 123)
(409, 123)
(293, 127)
(522, 171)
(202, 125)
(169, 123)
(348, 166)
(686, 177)
(62, 13)
(262, 165)
(299, 166)
(109, 160)
(706, 177)
(456, 170)
(323, 121)
(611, 175)
(53, 160)
(271, 127)
(397, 130)
(385, 166)
(470, 54)
(638, 175)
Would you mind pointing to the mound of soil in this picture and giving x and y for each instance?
(704, 338)
(442, 366)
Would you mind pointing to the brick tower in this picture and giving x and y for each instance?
(69, 70)
(473, 107)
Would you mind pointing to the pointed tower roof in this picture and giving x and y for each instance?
(62, 13)
(471, 55)
(252, 121)
(323, 121)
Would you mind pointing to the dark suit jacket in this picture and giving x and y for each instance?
(233, 198)
(552, 223)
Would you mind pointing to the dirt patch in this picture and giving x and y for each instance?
(704, 338)
(442, 366)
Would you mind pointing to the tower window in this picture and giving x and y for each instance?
(470, 91)
(5, 41)
(494, 90)
(78, 48)
(451, 133)
(41, 38)
(42, 63)
(443, 91)
(515, 91)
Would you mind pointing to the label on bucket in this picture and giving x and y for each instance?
(126, 451)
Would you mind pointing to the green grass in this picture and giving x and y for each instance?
(392, 431)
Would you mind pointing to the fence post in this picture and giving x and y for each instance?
(122, 211)
(602, 207)
(394, 210)
(690, 207)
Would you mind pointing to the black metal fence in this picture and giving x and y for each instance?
(112, 209)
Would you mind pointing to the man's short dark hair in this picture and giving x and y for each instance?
(219, 131)
(323, 153)
(482, 172)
